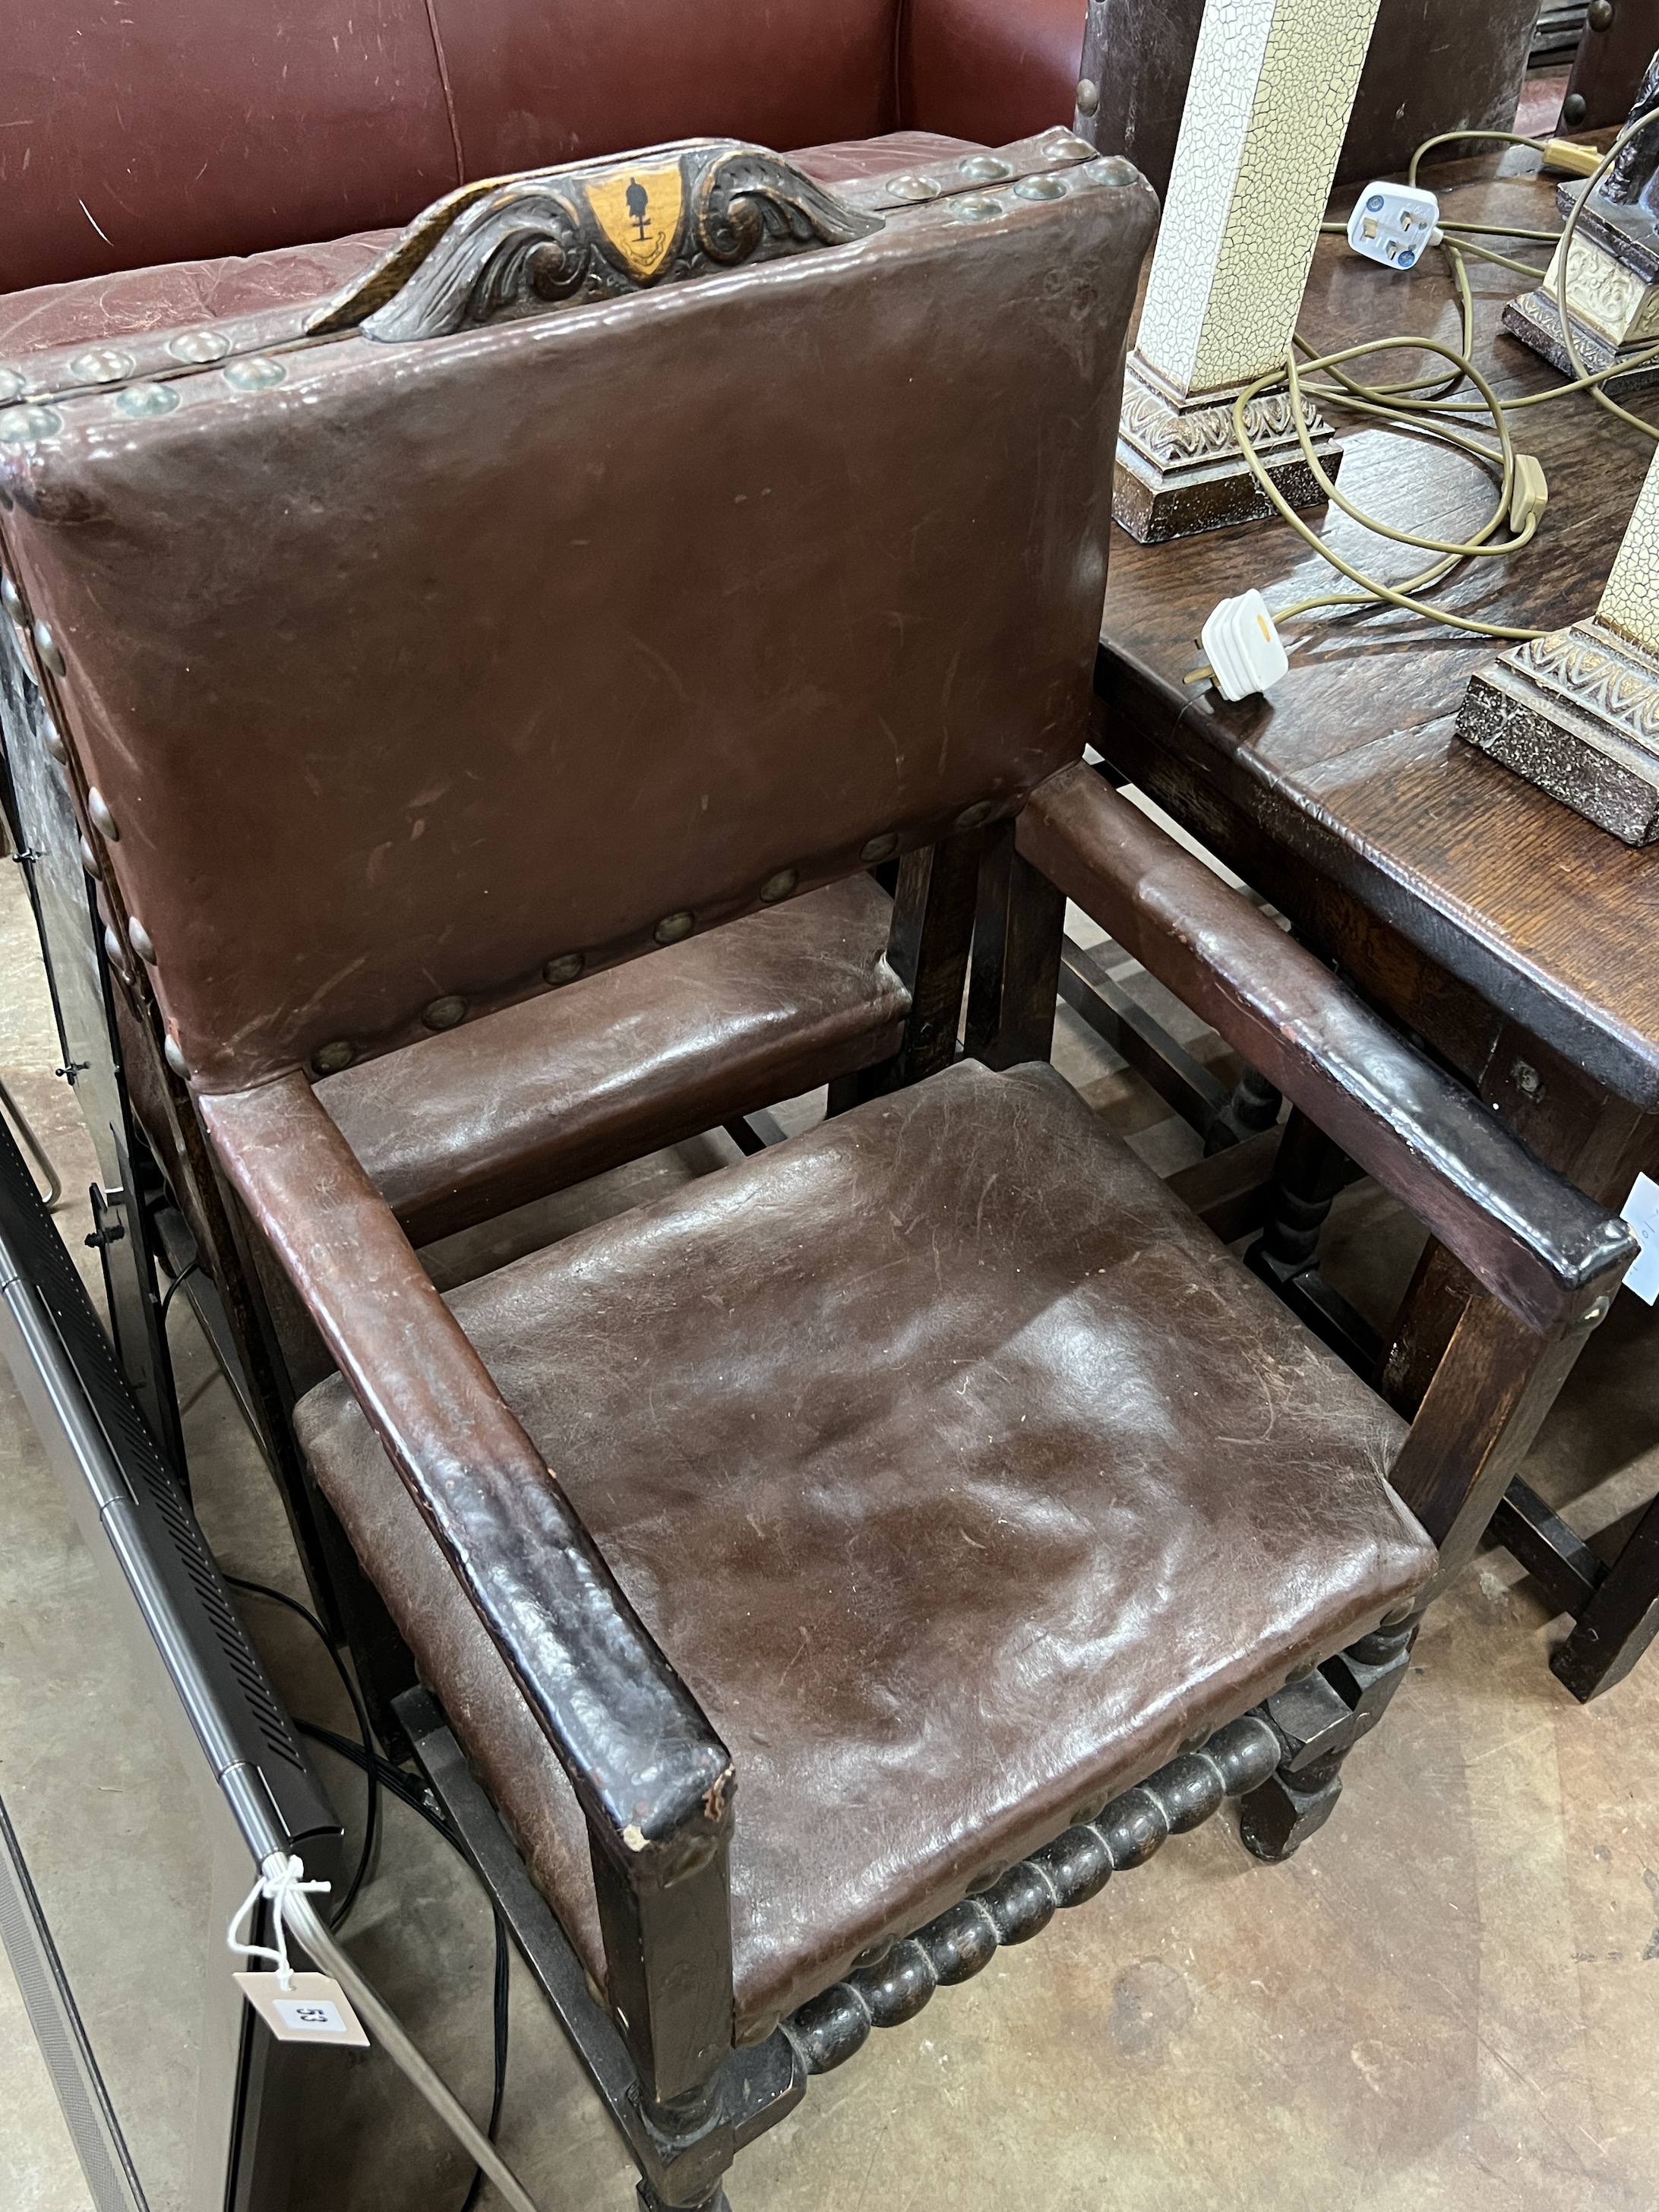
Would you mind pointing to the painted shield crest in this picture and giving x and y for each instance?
(639, 211)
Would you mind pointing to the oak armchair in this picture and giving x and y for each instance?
(829, 1571)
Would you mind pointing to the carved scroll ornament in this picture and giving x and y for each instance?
(553, 237)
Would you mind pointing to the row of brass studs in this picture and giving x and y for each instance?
(450, 1011)
(22, 425)
(828, 2029)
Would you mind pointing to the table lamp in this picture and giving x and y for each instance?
(1272, 87)
(1610, 280)
(1577, 711)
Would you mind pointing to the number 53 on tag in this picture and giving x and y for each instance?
(314, 2009)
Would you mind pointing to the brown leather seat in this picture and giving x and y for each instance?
(537, 1096)
(953, 1463)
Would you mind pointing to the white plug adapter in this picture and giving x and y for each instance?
(1243, 646)
(1394, 224)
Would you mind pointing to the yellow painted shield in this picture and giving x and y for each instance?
(640, 210)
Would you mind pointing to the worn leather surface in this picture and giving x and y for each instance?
(807, 554)
(958, 1471)
(530, 84)
(197, 128)
(990, 69)
(1432, 65)
(846, 160)
(502, 1111)
(183, 295)
(181, 129)
(179, 294)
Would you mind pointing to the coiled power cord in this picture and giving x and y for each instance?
(1441, 408)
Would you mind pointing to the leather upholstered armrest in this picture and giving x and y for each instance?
(648, 1770)
(1536, 1243)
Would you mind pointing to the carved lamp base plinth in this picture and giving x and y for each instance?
(1576, 713)
(1610, 281)
(1180, 469)
(1536, 320)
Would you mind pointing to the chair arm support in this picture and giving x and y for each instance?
(1537, 1243)
(652, 1777)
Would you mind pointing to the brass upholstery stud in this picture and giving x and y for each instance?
(114, 951)
(880, 848)
(257, 372)
(141, 940)
(1397, 1616)
(54, 742)
(1040, 188)
(974, 207)
(1088, 96)
(446, 1013)
(11, 599)
(1113, 169)
(89, 860)
(102, 820)
(913, 188)
(46, 645)
(20, 425)
(175, 1059)
(971, 816)
(983, 169)
(779, 886)
(142, 401)
(101, 364)
(330, 1059)
(564, 969)
(674, 926)
(199, 347)
(12, 386)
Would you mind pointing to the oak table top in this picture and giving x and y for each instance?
(1353, 766)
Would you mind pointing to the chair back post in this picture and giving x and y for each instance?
(928, 948)
(1019, 932)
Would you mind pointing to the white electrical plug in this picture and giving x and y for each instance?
(1243, 646)
(1394, 224)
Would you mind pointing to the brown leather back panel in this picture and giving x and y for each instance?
(434, 662)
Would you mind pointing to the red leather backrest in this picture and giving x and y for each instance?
(990, 69)
(404, 665)
(181, 129)
(533, 82)
(177, 130)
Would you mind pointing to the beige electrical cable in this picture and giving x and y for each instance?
(1421, 405)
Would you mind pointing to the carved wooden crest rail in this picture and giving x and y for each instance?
(515, 246)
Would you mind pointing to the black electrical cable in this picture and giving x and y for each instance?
(372, 1816)
(398, 1785)
(183, 1276)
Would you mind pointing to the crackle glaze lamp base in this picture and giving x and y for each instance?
(1272, 84)
(1576, 712)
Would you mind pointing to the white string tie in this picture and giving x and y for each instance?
(279, 1878)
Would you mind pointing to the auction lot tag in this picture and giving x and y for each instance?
(1641, 1216)
(314, 2009)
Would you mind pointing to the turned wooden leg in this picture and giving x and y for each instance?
(1252, 1107)
(717, 2201)
(1308, 1171)
(1319, 1720)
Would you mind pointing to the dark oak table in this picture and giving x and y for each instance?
(1519, 943)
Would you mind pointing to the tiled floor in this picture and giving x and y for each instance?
(1448, 2000)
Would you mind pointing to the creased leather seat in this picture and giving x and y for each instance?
(539, 1095)
(954, 1465)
